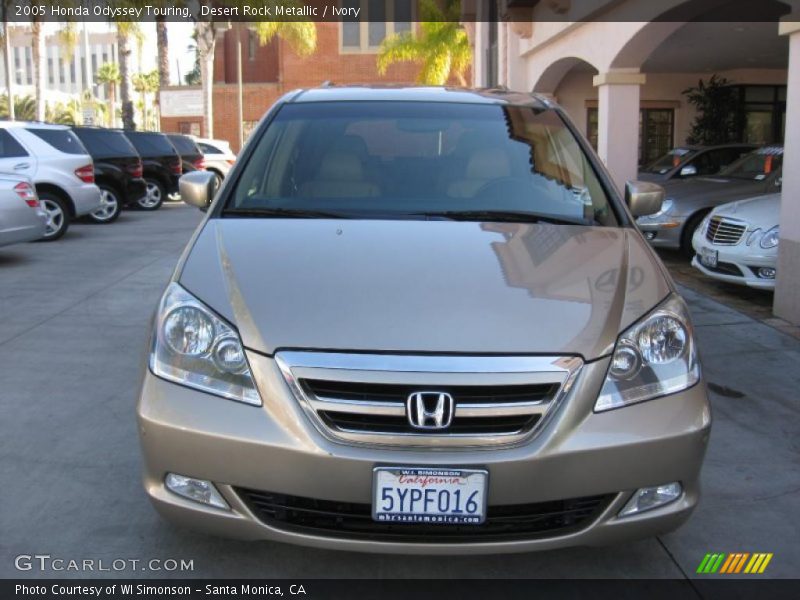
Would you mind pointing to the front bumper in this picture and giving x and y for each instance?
(665, 234)
(85, 198)
(275, 448)
(736, 263)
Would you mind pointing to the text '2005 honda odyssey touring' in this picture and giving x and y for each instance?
(422, 320)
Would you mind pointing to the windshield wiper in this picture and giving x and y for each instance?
(508, 216)
(285, 213)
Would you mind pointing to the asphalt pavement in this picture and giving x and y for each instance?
(73, 325)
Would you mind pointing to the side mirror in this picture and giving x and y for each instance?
(643, 198)
(198, 188)
(688, 171)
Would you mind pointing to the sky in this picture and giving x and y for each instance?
(180, 58)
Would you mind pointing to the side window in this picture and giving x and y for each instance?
(707, 163)
(208, 149)
(9, 147)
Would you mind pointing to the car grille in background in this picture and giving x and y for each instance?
(363, 398)
(345, 519)
(725, 232)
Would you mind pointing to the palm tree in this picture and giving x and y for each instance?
(441, 45)
(206, 39)
(68, 38)
(300, 35)
(38, 52)
(145, 83)
(108, 75)
(124, 30)
(24, 107)
(4, 6)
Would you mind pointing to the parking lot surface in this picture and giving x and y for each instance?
(73, 325)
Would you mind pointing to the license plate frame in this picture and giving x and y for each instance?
(474, 480)
(709, 258)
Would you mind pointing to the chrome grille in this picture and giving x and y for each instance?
(725, 232)
(361, 398)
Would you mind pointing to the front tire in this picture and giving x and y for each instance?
(688, 233)
(57, 216)
(154, 197)
(111, 206)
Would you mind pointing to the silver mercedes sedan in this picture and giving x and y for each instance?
(421, 320)
(22, 218)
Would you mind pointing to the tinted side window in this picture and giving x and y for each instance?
(183, 144)
(9, 147)
(106, 144)
(152, 144)
(208, 148)
(63, 140)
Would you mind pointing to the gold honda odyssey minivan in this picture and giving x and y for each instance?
(422, 320)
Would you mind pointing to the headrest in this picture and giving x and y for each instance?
(340, 166)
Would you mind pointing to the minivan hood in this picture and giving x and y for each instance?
(424, 286)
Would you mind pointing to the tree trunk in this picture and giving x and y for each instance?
(206, 40)
(38, 52)
(112, 100)
(7, 62)
(163, 52)
(124, 52)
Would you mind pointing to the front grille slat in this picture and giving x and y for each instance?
(724, 232)
(364, 398)
(354, 521)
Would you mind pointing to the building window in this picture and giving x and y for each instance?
(50, 74)
(764, 111)
(61, 74)
(251, 46)
(656, 131)
(189, 128)
(17, 66)
(29, 65)
(378, 19)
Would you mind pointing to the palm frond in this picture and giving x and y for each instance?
(400, 47)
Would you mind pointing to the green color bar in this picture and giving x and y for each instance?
(718, 563)
(702, 567)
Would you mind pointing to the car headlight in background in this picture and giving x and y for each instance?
(196, 348)
(770, 238)
(654, 357)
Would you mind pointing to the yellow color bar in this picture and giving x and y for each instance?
(754, 562)
(765, 563)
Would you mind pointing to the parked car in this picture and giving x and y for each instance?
(738, 242)
(693, 161)
(421, 320)
(218, 154)
(117, 170)
(689, 201)
(59, 165)
(161, 167)
(191, 155)
(22, 218)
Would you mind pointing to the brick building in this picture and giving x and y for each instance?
(346, 53)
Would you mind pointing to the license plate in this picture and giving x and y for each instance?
(708, 257)
(429, 495)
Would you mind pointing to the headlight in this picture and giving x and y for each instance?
(654, 357)
(196, 348)
(770, 239)
(752, 236)
(666, 206)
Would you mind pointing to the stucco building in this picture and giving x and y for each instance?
(619, 68)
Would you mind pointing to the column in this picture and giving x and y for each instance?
(787, 290)
(618, 123)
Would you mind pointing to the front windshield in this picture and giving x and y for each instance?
(757, 165)
(670, 160)
(420, 160)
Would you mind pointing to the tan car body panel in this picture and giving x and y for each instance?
(424, 286)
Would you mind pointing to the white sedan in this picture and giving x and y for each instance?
(738, 242)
